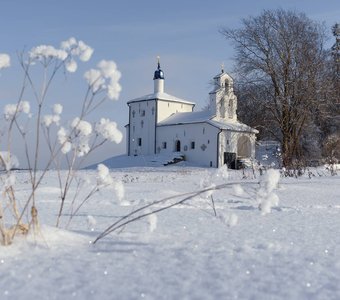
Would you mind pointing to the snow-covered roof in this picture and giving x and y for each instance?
(160, 96)
(234, 126)
(187, 117)
(207, 117)
(219, 75)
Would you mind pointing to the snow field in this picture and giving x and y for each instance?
(292, 252)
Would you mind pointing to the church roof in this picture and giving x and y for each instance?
(205, 116)
(234, 126)
(160, 96)
(219, 75)
(187, 117)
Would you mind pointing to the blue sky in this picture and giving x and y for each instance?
(132, 33)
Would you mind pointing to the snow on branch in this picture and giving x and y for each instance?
(11, 110)
(106, 77)
(8, 161)
(108, 130)
(5, 61)
(265, 195)
(68, 52)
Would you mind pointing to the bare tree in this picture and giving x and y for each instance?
(336, 51)
(282, 53)
(253, 112)
(331, 122)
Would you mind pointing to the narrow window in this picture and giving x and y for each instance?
(208, 141)
(133, 114)
(231, 109)
(227, 142)
(139, 142)
(203, 130)
(142, 124)
(164, 145)
(142, 113)
(192, 145)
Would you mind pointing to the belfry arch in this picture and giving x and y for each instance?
(244, 146)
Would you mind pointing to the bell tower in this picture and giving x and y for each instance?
(223, 101)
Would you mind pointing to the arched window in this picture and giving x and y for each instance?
(178, 146)
(226, 85)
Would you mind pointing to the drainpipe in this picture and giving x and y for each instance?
(129, 134)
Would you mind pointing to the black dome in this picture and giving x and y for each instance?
(159, 74)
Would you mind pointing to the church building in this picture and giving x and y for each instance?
(160, 123)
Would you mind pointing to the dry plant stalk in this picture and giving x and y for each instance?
(72, 144)
(144, 211)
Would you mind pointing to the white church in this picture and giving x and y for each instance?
(160, 123)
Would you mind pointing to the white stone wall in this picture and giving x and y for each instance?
(229, 142)
(142, 126)
(203, 135)
(166, 108)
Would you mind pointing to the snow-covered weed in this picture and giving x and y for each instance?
(238, 190)
(8, 161)
(12, 111)
(70, 141)
(152, 222)
(229, 219)
(266, 197)
(5, 61)
(91, 222)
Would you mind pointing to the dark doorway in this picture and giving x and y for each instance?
(178, 146)
(230, 160)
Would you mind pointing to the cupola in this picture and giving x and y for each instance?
(158, 78)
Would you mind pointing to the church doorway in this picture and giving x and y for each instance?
(230, 160)
(178, 146)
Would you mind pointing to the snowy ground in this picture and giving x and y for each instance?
(291, 253)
